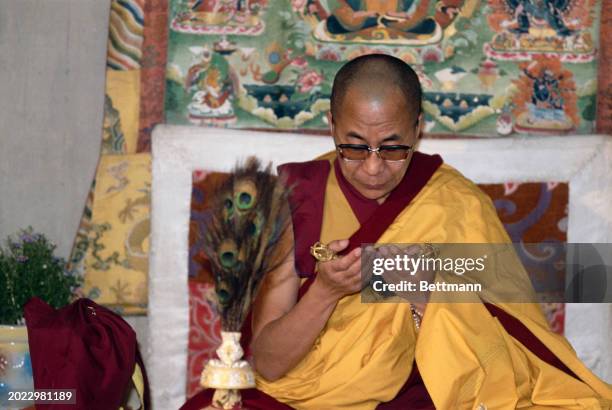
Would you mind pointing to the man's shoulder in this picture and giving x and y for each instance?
(448, 175)
(296, 171)
(452, 208)
(317, 168)
(448, 183)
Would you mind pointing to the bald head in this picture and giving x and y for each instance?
(377, 76)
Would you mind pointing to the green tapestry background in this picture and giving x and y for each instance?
(488, 68)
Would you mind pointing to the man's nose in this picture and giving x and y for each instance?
(373, 164)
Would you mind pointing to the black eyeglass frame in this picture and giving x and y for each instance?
(368, 149)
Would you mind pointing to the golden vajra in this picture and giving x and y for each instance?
(322, 252)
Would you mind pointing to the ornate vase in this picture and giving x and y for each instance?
(228, 374)
(15, 365)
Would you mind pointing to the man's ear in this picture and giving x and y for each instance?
(420, 125)
(330, 122)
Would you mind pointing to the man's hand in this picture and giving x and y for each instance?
(341, 276)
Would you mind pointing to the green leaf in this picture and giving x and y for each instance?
(29, 268)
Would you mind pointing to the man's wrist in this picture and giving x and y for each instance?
(323, 294)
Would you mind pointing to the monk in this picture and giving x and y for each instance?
(315, 345)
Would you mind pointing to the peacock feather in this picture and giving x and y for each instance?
(250, 215)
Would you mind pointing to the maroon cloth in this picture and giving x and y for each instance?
(307, 181)
(421, 169)
(520, 332)
(305, 177)
(413, 395)
(82, 346)
(252, 399)
(362, 207)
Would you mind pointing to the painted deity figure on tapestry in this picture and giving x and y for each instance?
(345, 29)
(226, 7)
(219, 17)
(545, 101)
(377, 20)
(209, 83)
(554, 26)
(407, 16)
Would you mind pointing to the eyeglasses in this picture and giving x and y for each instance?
(360, 152)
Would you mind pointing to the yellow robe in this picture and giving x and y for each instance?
(466, 359)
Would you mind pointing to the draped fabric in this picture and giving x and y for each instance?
(84, 347)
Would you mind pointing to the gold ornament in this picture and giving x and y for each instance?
(322, 252)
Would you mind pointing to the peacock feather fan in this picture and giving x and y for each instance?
(243, 237)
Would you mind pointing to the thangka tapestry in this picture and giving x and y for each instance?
(488, 67)
(530, 212)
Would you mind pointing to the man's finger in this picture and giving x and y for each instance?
(353, 270)
(344, 262)
(356, 284)
(338, 246)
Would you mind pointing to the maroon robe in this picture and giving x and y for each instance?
(308, 181)
(307, 200)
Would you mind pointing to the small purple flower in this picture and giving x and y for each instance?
(22, 258)
(27, 238)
